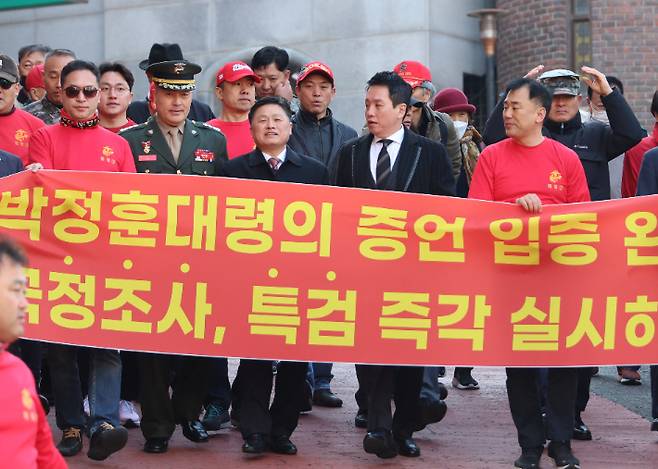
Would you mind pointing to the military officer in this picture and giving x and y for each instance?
(170, 143)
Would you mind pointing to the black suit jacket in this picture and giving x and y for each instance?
(295, 168)
(422, 166)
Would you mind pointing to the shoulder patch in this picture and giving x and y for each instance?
(132, 127)
(204, 125)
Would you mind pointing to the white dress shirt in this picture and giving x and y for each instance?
(393, 150)
(281, 157)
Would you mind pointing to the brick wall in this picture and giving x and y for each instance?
(532, 32)
(624, 43)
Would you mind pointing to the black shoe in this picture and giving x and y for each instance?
(281, 444)
(463, 379)
(561, 453)
(107, 439)
(44, 403)
(529, 458)
(71, 442)
(407, 447)
(443, 391)
(156, 445)
(326, 398)
(380, 443)
(361, 419)
(254, 444)
(215, 418)
(580, 430)
(430, 411)
(654, 425)
(193, 430)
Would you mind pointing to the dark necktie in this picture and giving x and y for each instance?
(274, 163)
(383, 164)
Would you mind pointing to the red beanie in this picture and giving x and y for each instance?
(452, 100)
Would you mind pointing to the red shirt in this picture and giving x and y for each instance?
(24, 432)
(115, 130)
(16, 128)
(507, 170)
(633, 161)
(88, 149)
(238, 136)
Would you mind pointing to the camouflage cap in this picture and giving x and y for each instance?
(561, 81)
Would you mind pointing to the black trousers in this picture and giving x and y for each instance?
(129, 375)
(255, 387)
(385, 383)
(524, 401)
(582, 393)
(654, 391)
(31, 352)
(160, 412)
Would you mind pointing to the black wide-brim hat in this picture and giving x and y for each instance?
(162, 53)
(174, 74)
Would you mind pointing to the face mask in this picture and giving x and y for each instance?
(600, 116)
(460, 127)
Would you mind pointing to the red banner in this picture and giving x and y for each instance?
(257, 269)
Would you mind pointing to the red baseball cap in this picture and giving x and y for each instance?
(413, 72)
(233, 71)
(34, 79)
(315, 67)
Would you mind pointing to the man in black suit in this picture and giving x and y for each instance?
(263, 425)
(391, 157)
(139, 112)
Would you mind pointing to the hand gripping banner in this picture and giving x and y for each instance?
(257, 269)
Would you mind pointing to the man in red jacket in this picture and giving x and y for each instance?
(518, 170)
(16, 125)
(24, 431)
(79, 143)
(634, 156)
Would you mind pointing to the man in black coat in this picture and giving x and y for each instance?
(262, 425)
(391, 157)
(139, 112)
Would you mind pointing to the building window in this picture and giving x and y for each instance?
(581, 34)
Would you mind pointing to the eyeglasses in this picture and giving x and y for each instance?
(74, 91)
(6, 84)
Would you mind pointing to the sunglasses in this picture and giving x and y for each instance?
(6, 84)
(74, 91)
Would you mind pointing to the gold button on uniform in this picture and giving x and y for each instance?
(178, 171)
(147, 170)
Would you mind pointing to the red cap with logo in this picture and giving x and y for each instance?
(315, 67)
(413, 72)
(233, 71)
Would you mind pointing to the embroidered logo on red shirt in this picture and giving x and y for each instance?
(107, 155)
(554, 178)
(203, 155)
(21, 137)
(29, 411)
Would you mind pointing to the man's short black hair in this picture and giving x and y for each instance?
(75, 65)
(268, 55)
(278, 100)
(119, 68)
(60, 53)
(536, 91)
(27, 50)
(615, 83)
(398, 89)
(13, 252)
(654, 104)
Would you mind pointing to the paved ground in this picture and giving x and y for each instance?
(476, 433)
